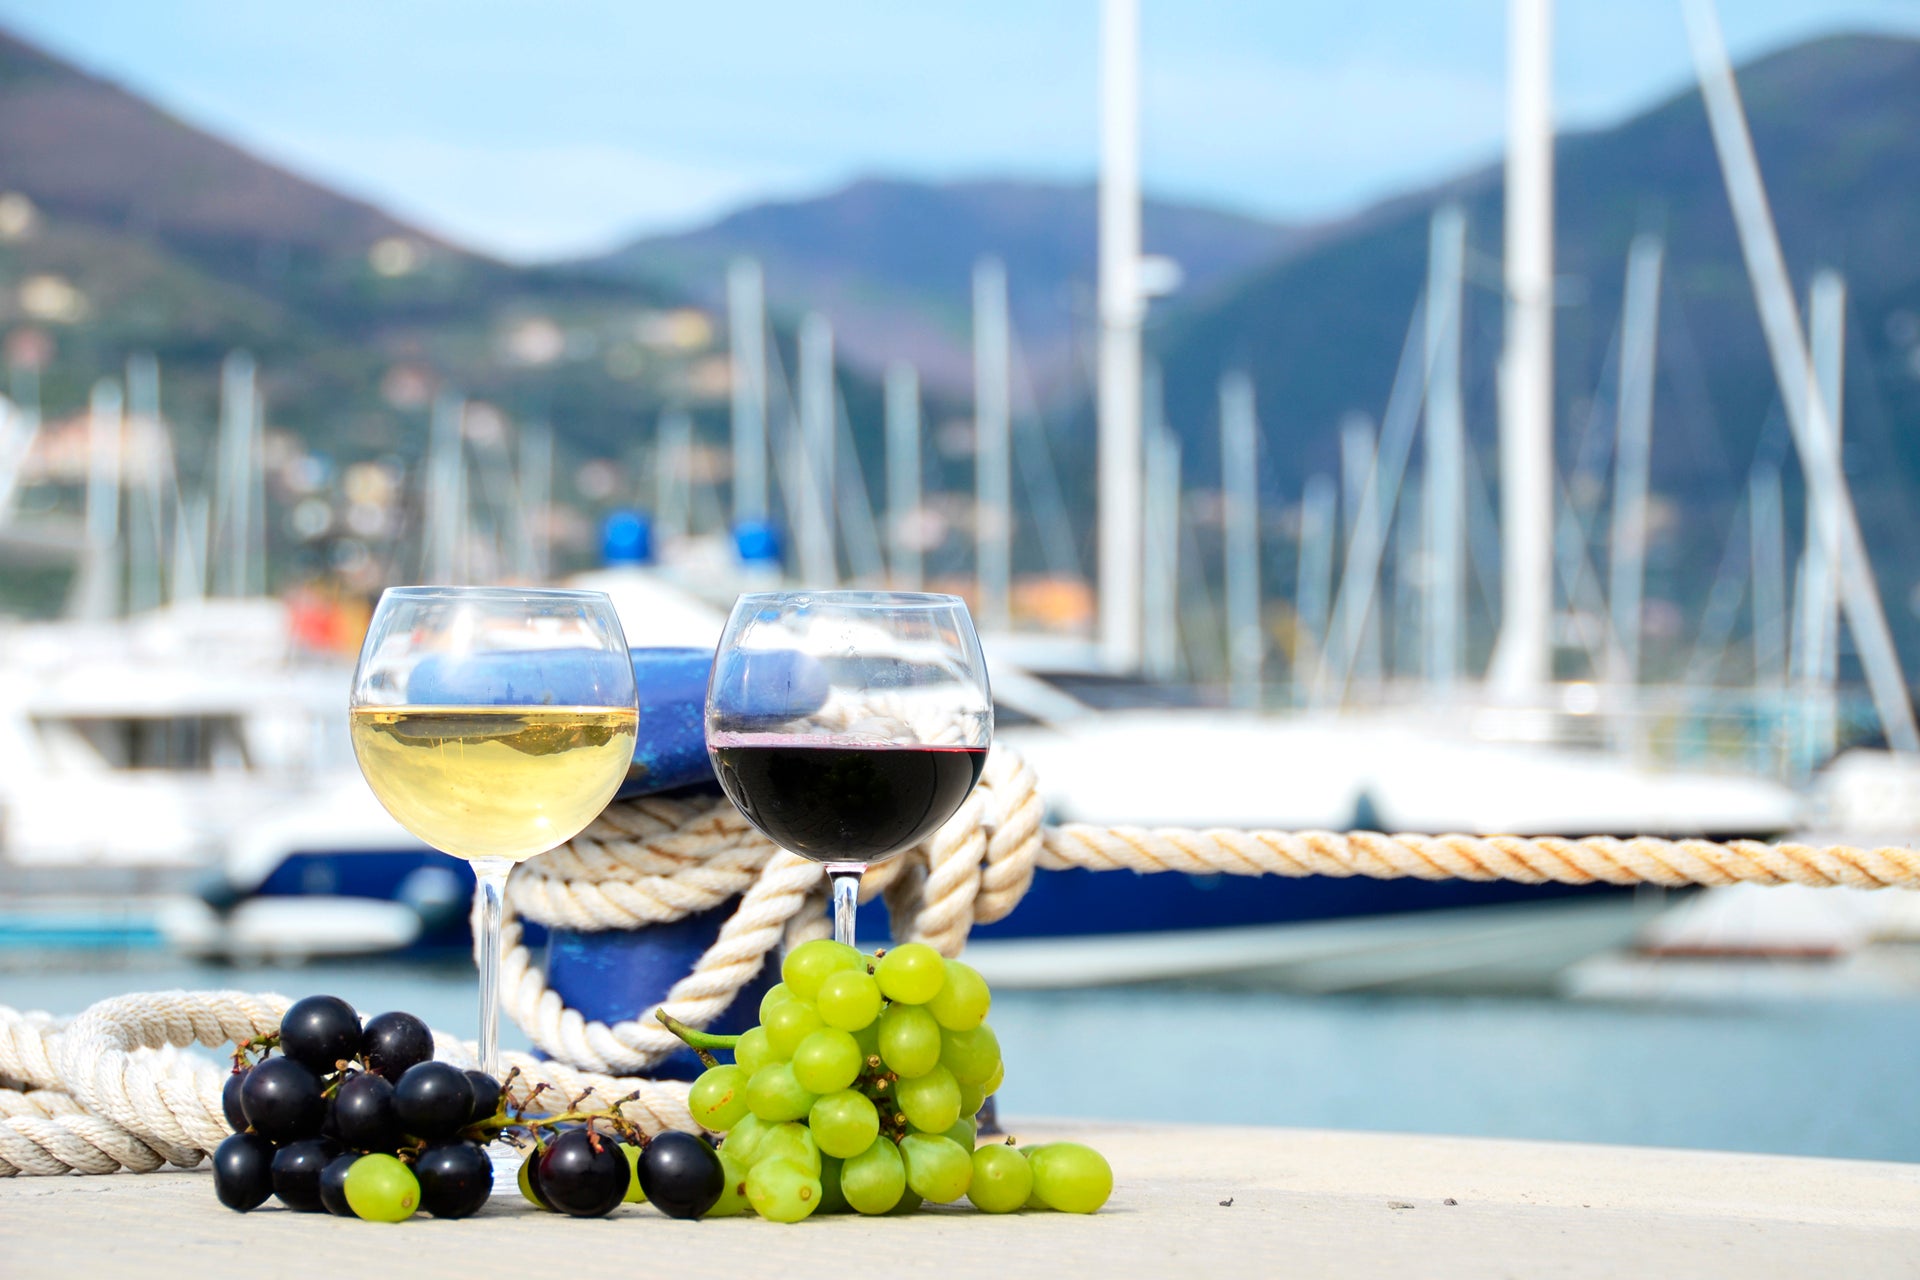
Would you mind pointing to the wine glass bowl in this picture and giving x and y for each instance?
(494, 724)
(847, 726)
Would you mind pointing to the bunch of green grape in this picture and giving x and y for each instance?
(857, 1092)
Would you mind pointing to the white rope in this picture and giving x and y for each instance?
(110, 1090)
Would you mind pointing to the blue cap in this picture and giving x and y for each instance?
(626, 538)
(757, 541)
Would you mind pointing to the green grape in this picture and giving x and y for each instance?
(971, 1100)
(849, 999)
(789, 1024)
(970, 1055)
(832, 1198)
(744, 1139)
(844, 1123)
(526, 1181)
(1070, 1177)
(635, 1194)
(718, 1099)
(964, 1132)
(777, 995)
(782, 1191)
(937, 1167)
(809, 964)
(911, 974)
(874, 1180)
(790, 1141)
(991, 1085)
(775, 1094)
(962, 1001)
(1030, 1151)
(909, 1040)
(868, 1038)
(827, 1060)
(931, 1102)
(753, 1051)
(909, 1201)
(733, 1197)
(1002, 1179)
(381, 1189)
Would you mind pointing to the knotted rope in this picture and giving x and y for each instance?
(110, 1089)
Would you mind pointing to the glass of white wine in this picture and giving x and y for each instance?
(494, 724)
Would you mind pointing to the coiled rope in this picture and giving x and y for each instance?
(110, 1090)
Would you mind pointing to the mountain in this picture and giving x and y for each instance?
(1836, 124)
(124, 229)
(890, 262)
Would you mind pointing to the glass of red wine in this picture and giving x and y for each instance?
(848, 725)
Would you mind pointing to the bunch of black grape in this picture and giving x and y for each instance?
(858, 1091)
(359, 1121)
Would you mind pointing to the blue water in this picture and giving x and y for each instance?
(1813, 1078)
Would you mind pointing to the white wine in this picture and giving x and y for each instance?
(494, 782)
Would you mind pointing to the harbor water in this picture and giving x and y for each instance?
(1825, 1077)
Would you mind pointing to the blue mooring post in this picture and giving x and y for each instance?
(615, 975)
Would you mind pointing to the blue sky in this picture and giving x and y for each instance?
(541, 129)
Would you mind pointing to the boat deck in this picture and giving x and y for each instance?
(1215, 1202)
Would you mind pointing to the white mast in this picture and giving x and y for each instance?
(98, 593)
(1160, 578)
(903, 476)
(1446, 488)
(1523, 658)
(673, 475)
(1122, 306)
(747, 343)
(992, 445)
(146, 534)
(1816, 648)
(1633, 432)
(859, 532)
(234, 524)
(813, 529)
(535, 484)
(1313, 587)
(1366, 535)
(1813, 434)
(1240, 490)
(1767, 563)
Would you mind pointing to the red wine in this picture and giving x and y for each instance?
(838, 803)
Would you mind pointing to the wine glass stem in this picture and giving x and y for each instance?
(845, 878)
(489, 891)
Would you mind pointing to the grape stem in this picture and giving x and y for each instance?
(696, 1040)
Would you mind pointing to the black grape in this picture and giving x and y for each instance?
(364, 1116)
(582, 1177)
(455, 1179)
(393, 1043)
(333, 1185)
(433, 1100)
(319, 1032)
(282, 1100)
(681, 1175)
(296, 1173)
(230, 1102)
(486, 1096)
(243, 1171)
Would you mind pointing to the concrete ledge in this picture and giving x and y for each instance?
(1303, 1204)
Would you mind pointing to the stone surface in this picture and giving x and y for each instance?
(1302, 1204)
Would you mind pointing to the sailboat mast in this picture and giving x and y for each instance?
(1239, 486)
(1523, 657)
(99, 594)
(747, 344)
(1446, 478)
(993, 445)
(1813, 435)
(1160, 570)
(813, 530)
(1633, 452)
(903, 476)
(1816, 652)
(234, 525)
(1122, 307)
(1313, 582)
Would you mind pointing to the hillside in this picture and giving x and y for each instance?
(891, 261)
(1834, 123)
